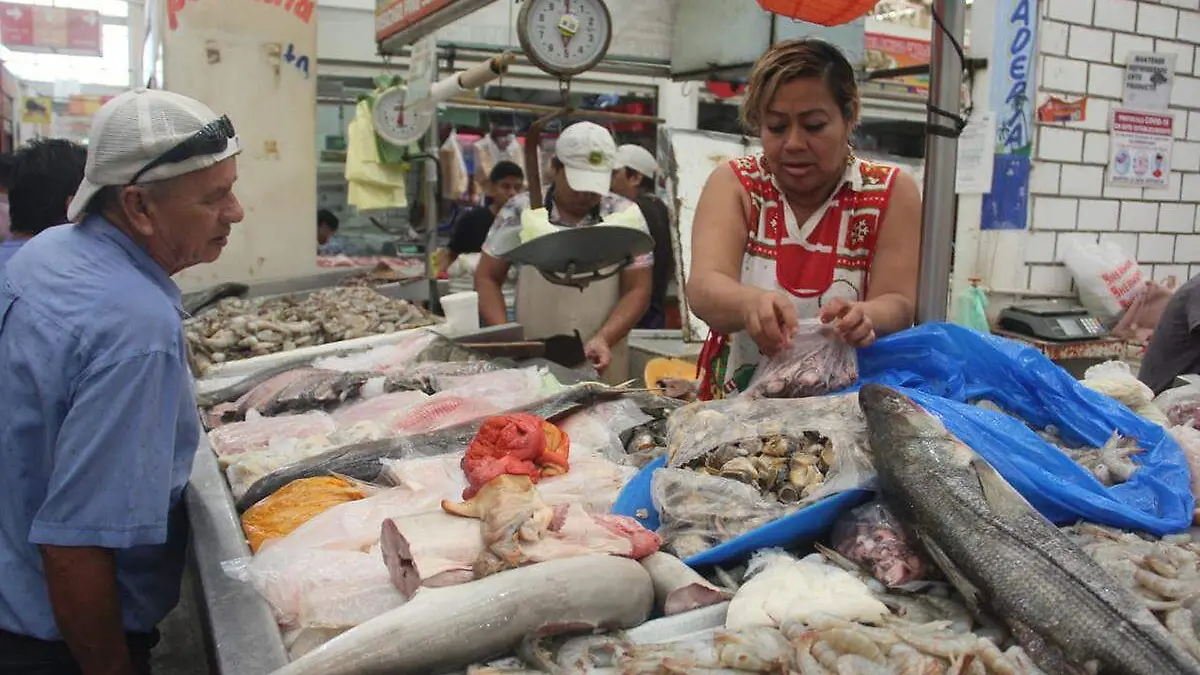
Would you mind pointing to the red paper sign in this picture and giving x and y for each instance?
(401, 14)
(36, 28)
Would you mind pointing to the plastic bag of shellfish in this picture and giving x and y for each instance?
(871, 536)
(792, 451)
(817, 362)
(697, 511)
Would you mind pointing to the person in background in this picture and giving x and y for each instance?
(578, 196)
(328, 240)
(46, 173)
(100, 425)
(471, 229)
(6, 168)
(1174, 347)
(805, 229)
(633, 179)
(497, 146)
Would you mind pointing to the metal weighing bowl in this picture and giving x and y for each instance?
(579, 256)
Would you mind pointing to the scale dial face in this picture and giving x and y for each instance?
(564, 37)
(393, 123)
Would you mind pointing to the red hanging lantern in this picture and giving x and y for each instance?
(822, 12)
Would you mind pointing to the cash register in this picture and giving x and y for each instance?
(1052, 321)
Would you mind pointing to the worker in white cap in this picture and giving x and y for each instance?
(100, 424)
(578, 196)
(634, 178)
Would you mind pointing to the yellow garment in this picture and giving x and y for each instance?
(631, 217)
(372, 184)
(293, 505)
(536, 223)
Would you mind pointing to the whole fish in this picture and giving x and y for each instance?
(998, 551)
(444, 629)
(240, 388)
(361, 460)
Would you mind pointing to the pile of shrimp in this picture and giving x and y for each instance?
(1163, 573)
(822, 645)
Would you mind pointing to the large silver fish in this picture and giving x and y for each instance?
(443, 630)
(1001, 553)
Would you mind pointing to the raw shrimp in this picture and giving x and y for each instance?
(759, 650)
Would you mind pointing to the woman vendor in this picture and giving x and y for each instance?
(803, 230)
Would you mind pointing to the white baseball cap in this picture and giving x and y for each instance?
(132, 134)
(639, 159)
(588, 153)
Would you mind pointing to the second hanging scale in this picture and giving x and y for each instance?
(565, 38)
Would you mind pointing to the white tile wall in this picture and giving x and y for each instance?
(1084, 46)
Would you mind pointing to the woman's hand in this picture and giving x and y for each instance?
(850, 322)
(770, 320)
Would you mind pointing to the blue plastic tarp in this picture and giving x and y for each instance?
(946, 368)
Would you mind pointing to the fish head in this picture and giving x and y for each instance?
(902, 433)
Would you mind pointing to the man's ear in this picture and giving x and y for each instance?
(134, 202)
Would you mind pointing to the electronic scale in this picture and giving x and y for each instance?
(1052, 321)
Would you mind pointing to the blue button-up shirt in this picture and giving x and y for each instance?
(8, 249)
(98, 424)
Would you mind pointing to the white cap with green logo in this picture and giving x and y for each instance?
(588, 153)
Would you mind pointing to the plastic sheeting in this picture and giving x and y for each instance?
(945, 368)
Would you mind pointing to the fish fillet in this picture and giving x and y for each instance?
(446, 629)
(383, 409)
(259, 433)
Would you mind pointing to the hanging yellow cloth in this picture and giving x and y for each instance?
(372, 184)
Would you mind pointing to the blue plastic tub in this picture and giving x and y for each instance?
(807, 524)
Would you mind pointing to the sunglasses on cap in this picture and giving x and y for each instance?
(211, 139)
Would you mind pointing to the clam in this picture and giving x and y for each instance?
(771, 471)
(827, 455)
(777, 445)
(740, 469)
(723, 454)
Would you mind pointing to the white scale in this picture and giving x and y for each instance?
(564, 37)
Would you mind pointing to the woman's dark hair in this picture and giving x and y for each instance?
(645, 185)
(45, 173)
(326, 217)
(794, 59)
(505, 169)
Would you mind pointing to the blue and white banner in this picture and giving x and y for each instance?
(1011, 68)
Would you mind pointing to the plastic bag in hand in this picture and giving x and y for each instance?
(817, 362)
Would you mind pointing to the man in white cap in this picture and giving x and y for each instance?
(633, 178)
(100, 425)
(578, 196)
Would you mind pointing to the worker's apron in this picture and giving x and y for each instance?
(545, 309)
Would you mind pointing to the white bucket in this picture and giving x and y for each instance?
(462, 312)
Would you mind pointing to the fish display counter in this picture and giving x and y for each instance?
(241, 632)
(416, 506)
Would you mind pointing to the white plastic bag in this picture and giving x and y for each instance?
(1108, 279)
(817, 362)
